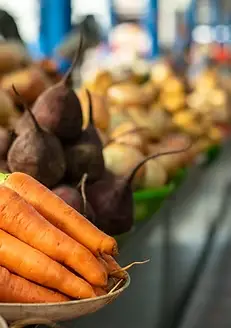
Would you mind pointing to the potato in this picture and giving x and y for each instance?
(131, 94)
(29, 82)
(12, 56)
(8, 112)
(174, 102)
(156, 121)
(100, 112)
(100, 83)
(126, 133)
(117, 117)
(173, 86)
(160, 72)
(186, 121)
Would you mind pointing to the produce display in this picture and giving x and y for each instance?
(49, 251)
(120, 134)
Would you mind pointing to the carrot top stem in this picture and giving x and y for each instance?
(129, 266)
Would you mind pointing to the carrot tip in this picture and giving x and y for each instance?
(129, 266)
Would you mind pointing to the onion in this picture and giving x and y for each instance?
(121, 159)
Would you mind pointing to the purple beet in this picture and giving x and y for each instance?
(58, 109)
(73, 198)
(5, 141)
(86, 156)
(112, 199)
(4, 167)
(37, 153)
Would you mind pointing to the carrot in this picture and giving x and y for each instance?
(29, 263)
(21, 220)
(63, 216)
(113, 268)
(15, 289)
(99, 291)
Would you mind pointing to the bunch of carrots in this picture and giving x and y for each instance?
(49, 252)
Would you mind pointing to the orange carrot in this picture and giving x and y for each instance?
(21, 220)
(63, 216)
(29, 263)
(113, 267)
(15, 289)
(99, 291)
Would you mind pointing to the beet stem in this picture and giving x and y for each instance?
(138, 166)
(131, 131)
(26, 107)
(91, 119)
(67, 77)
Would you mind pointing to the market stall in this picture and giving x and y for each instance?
(133, 159)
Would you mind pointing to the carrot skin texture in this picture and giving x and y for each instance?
(31, 264)
(21, 220)
(60, 214)
(15, 289)
(99, 291)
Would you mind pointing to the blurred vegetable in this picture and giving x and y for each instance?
(155, 175)
(120, 159)
(30, 82)
(100, 109)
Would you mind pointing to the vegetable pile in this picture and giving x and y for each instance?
(50, 252)
(56, 142)
(93, 146)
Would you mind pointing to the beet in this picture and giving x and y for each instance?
(112, 199)
(39, 154)
(58, 108)
(5, 141)
(73, 198)
(86, 155)
(4, 167)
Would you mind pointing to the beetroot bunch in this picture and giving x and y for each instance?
(50, 145)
